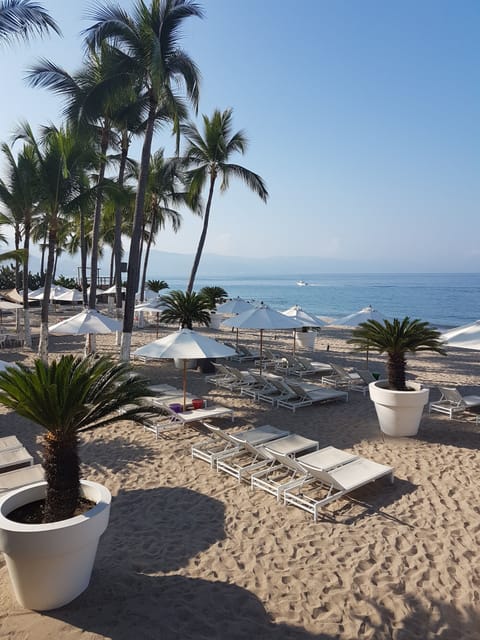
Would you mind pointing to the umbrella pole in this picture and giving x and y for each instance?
(184, 384)
(157, 323)
(261, 350)
(237, 339)
(294, 339)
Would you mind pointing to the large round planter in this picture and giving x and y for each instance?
(216, 320)
(399, 412)
(306, 339)
(51, 564)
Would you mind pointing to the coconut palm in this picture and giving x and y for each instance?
(209, 154)
(185, 309)
(149, 57)
(19, 193)
(396, 339)
(63, 157)
(23, 18)
(67, 398)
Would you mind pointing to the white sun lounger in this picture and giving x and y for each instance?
(222, 443)
(173, 420)
(453, 403)
(333, 482)
(21, 477)
(16, 458)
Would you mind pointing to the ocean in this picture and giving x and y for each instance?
(445, 300)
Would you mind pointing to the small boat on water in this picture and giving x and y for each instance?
(302, 283)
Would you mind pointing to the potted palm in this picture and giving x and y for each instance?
(399, 405)
(184, 309)
(214, 295)
(50, 550)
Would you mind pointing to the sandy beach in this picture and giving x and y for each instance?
(191, 554)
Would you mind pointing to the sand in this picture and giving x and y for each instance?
(190, 554)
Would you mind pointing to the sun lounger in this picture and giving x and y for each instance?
(9, 442)
(341, 378)
(253, 456)
(306, 367)
(332, 481)
(21, 477)
(310, 394)
(15, 458)
(222, 443)
(452, 402)
(173, 419)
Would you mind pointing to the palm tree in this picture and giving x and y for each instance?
(20, 195)
(23, 18)
(396, 339)
(185, 309)
(156, 285)
(67, 398)
(162, 192)
(210, 154)
(63, 158)
(149, 57)
(214, 295)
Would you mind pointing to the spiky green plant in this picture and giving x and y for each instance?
(185, 309)
(214, 295)
(396, 339)
(68, 397)
(156, 285)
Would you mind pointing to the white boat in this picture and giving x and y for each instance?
(302, 283)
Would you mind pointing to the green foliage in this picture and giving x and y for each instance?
(68, 283)
(185, 309)
(156, 285)
(66, 397)
(214, 295)
(7, 278)
(396, 339)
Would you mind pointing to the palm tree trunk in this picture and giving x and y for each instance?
(52, 242)
(97, 218)
(136, 239)
(27, 335)
(17, 261)
(62, 472)
(145, 261)
(203, 236)
(83, 258)
(396, 371)
(117, 243)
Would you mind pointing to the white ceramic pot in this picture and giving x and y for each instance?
(51, 564)
(215, 320)
(306, 339)
(399, 412)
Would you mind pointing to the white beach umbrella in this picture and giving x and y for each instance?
(6, 305)
(185, 344)
(110, 291)
(37, 294)
(12, 295)
(71, 295)
(465, 337)
(234, 306)
(87, 321)
(262, 318)
(4, 365)
(354, 319)
(151, 306)
(307, 319)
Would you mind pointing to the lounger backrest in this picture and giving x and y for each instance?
(286, 461)
(234, 372)
(321, 475)
(366, 375)
(283, 388)
(216, 431)
(304, 363)
(340, 371)
(298, 390)
(452, 395)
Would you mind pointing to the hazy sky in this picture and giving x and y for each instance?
(363, 118)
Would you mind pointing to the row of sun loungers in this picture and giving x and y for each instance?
(452, 403)
(287, 465)
(288, 393)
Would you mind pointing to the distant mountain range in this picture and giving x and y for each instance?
(163, 265)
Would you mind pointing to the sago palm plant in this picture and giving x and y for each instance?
(185, 309)
(396, 339)
(68, 397)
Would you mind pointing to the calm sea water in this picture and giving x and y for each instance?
(445, 300)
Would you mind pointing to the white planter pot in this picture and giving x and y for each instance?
(306, 339)
(399, 412)
(51, 564)
(215, 320)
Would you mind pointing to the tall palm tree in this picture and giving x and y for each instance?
(23, 18)
(20, 195)
(63, 158)
(210, 154)
(150, 58)
(162, 193)
(396, 339)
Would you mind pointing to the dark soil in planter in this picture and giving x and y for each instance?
(32, 513)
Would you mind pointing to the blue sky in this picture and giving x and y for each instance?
(363, 119)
